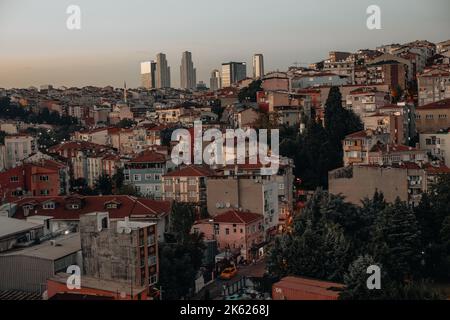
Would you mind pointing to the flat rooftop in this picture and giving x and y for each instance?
(11, 226)
(65, 245)
(100, 284)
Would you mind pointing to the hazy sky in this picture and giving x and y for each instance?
(37, 48)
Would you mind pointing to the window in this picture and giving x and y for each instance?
(43, 178)
(111, 206)
(74, 206)
(14, 179)
(192, 182)
(148, 176)
(151, 239)
(168, 182)
(49, 205)
(151, 260)
(44, 192)
(192, 194)
(105, 223)
(157, 177)
(126, 177)
(137, 177)
(227, 231)
(153, 279)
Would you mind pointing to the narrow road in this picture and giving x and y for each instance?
(215, 288)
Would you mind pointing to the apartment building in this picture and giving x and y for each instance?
(433, 117)
(243, 192)
(121, 250)
(437, 145)
(187, 185)
(357, 146)
(17, 148)
(240, 232)
(434, 85)
(390, 123)
(145, 172)
(407, 181)
(366, 101)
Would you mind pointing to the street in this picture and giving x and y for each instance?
(215, 288)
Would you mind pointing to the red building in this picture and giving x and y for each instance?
(47, 178)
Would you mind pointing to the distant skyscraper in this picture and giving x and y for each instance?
(162, 71)
(148, 74)
(188, 75)
(215, 82)
(258, 66)
(233, 72)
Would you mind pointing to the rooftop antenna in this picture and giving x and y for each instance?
(125, 91)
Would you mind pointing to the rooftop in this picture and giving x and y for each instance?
(65, 246)
(11, 226)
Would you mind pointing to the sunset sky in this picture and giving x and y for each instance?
(37, 48)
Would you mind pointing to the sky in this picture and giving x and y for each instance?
(36, 47)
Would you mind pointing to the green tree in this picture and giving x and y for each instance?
(181, 221)
(248, 94)
(104, 185)
(355, 280)
(126, 123)
(397, 241)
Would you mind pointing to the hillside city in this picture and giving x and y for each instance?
(93, 205)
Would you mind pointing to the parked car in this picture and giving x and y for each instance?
(228, 273)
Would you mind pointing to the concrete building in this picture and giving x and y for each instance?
(187, 185)
(434, 85)
(188, 75)
(255, 194)
(433, 117)
(366, 101)
(123, 251)
(162, 72)
(395, 154)
(215, 82)
(437, 145)
(233, 72)
(258, 66)
(357, 146)
(390, 123)
(148, 74)
(17, 148)
(318, 79)
(406, 181)
(28, 269)
(392, 73)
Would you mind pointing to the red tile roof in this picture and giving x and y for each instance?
(129, 206)
(191, 171)
(149, 156)
(235, 216)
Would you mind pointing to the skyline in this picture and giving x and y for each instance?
(112, 43)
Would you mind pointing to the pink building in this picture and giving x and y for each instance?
(240, 232)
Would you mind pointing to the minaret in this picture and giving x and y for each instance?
(125, 91)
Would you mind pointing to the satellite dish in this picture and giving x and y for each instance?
(217, 205)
